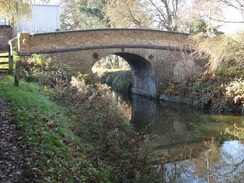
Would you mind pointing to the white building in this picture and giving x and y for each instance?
(44, 18)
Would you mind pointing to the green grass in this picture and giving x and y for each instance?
(44, 127)
(85, 141)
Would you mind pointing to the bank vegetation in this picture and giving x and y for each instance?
(221, 88)
(72, 130)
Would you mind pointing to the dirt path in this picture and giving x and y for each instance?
(12, 156)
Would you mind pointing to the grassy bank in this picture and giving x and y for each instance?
(44, 128)
(76, 134)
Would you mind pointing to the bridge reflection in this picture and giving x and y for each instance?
(181, 132)
(189, 144)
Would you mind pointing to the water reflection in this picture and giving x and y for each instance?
(193, 146)
(225, 165)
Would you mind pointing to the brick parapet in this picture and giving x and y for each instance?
(5, 36)
(101, 38)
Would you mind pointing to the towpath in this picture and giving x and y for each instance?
(12, 153)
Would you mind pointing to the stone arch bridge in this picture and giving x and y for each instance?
(154, 56)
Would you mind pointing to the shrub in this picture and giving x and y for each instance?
(223, 51)
(235, 90)
(117, 151)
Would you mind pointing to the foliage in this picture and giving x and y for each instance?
(220, 92)
(119, 81)
(82, 14)
(235, 90)
(40, 68)
(236, 130)
(167, 13)
(14, 9)
(112, 139)
(213, 9)
(126, 14)
(197, 25)
(211, 92)
(44, 129)
(86, 140)
(228, 54)
(111, 62)
(36, 63)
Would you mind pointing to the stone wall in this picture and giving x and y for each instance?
(5, 36)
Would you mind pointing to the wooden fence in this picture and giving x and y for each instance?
(9, 62)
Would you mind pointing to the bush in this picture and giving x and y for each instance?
(89, 140)
(117, 151)
(235, 90)
(222, 51)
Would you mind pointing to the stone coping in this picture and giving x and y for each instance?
(112, 29)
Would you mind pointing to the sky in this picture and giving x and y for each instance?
(230, 14)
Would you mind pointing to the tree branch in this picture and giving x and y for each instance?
(236, 166)
(225, 21)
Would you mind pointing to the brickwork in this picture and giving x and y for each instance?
(99, 38)
(154, 56)
(5, 36)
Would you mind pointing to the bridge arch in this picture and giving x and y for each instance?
(155, 56)
(142, 73)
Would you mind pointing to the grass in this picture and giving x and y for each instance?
(85, 141)
(44, 127)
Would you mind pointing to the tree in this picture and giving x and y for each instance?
(166, 13)
(238, 5)
(82, 14)
(212, 10)
(15, 9)
(127, 14)
(41, 1)
(197, 25)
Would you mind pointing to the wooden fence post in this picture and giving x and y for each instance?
(10, 61)
(17, 73)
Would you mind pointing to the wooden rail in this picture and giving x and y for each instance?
(9, 62)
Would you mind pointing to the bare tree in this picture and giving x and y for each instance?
(126, 13)
(166, 13)
(13, 9)
(236, 4)
(213, 9)
(82, 14)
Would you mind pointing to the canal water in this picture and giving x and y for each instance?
(192, 146)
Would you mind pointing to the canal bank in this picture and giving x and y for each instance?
(220, 93)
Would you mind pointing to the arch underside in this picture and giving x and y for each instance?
(143, 76)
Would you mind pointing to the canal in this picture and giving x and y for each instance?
(190, 145)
